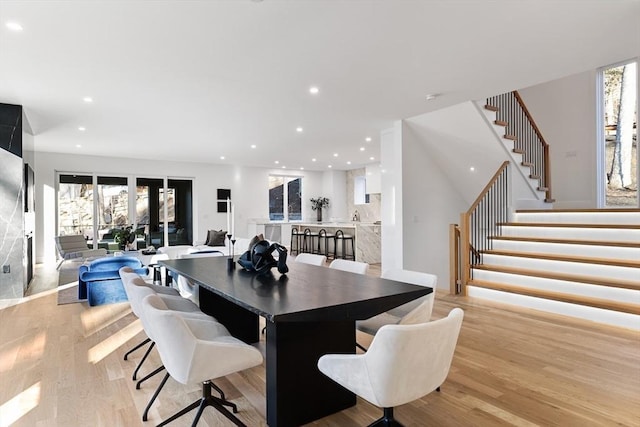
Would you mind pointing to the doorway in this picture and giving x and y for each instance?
(618, 136)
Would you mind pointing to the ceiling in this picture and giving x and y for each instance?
(197, 80)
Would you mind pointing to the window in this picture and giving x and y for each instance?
(281, 195)
(113, 208)
(75, 206)
(618, 142)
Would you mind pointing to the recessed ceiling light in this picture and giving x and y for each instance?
(88, 99)
(335, 154)
(432, 96)
(314, 90)
(78, 146)
(301, 169)
(313, 160)
(361, 148)
(284, 167)
(349, 162)
(329, 166)
(299, 129)
(82, 128)
(221, 157)
(472, 169)
(372, 158)
(253, 145)
(368, 139)
(14, 26)
(276, 162)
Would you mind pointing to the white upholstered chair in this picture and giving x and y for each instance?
(352, 266)
(187, 288)
(416, 311)
(312, 259)
(403, 363)
(136, 289)
(195, 350)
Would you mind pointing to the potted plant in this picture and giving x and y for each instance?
(318, 204)
(124, 237)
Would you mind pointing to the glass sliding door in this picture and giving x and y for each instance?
(149, 212)
(75, 206)
(179, 200)
(113, 209)
(285, 191)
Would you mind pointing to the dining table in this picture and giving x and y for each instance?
(309, 311)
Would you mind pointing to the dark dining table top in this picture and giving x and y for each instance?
(306, 292)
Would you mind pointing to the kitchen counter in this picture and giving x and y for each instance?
(367, 239)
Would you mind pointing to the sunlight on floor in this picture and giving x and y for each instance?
(109, 345)
(20, 351)
(14, 409)
(97, 318)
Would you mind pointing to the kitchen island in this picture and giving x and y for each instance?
(366, 237)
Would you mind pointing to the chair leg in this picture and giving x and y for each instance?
(139, 383)
(153, 398)
(146, 354)
(223, 398)
(387, 420)
(206, 400)
(136, 347)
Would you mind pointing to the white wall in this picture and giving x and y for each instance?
(249, 190)
(565, 112)
(334, 187)
(430, 204)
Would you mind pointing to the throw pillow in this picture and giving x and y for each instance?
(215, 238)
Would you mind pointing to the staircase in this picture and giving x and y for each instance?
(582, 263)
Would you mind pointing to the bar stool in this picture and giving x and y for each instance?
(296, 238)
(322, 234)
(342, 238)
(308, 243)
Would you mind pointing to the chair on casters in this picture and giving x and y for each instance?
(403, 363)
(341, 241)
(195, 350)
(352, 266)
(416, 311)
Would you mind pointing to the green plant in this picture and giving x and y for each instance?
(124, 235)
(319, 203)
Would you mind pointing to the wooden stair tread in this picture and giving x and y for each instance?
(623, 307)
(568, 241)
(590, 280)
(569, 225)
(500, 122)
(534, 176)
(607, 210)
(566, 258)
(518, 151)
(511, 137)
(527, 164)
(543, 188)
(491, 108)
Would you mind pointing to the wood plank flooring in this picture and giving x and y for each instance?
(62, 366)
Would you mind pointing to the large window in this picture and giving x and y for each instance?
(285, 191)
(162, 215)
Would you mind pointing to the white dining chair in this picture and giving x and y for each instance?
(196, 350)
(403, 363)
(352, 266)
(187, 288)
(416, 311)
(312, 259)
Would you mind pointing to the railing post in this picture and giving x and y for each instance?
(465, 263)
(547, 174)
(454, 262)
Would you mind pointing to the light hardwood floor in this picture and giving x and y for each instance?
(62, 366)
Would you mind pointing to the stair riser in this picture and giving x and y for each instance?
(611, 252)
(615, 318)
(572, 288)
(580, 217)
(602, 271)
(608, 234)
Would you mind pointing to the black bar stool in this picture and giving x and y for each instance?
(296, 240)
(308, 241)
(322, 234)
(341, 240)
